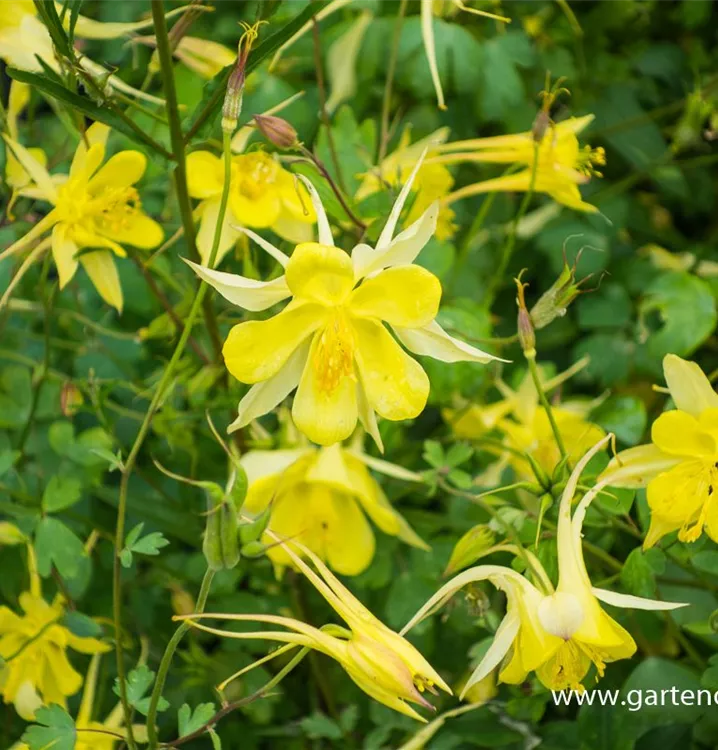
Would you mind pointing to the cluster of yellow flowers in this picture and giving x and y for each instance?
(340, 341)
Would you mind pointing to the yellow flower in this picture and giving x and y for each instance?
(206, 57)
(36, 669)
(562, 164)
(330, 340)
(96, 735)
(382, 663)
(262, 195)
(432, 182)
(320, 498)
(95, 211)
(680, 465)
(525, 428)
(24, 38)
(558, 634)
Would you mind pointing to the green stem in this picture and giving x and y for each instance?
(164, 52)
(533, 369)
(145, 426)
(390, 72)
(167, 660)
(510, 243)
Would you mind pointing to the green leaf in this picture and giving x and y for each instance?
(54, 730)
(706, 560)
(15, 396)
(48, 14)
(150, 544)
(687, 311)
(625, 416)
(84, 105)
(638, 574)
(56, 545)
(611, 355)
(319, 726)
(138, 682)
(434, 454)
(609, 307)
(81, 625)
(189, 720)
(61, 492)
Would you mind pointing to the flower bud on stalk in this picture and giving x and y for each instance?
(70, 399)
(221, 536)
(235, 83)
(554, 303)
(527, 338)
(276, 130)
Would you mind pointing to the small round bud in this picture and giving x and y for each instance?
(71, 399)
(276, 130)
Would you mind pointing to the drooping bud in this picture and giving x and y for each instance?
(235, 83)
(527, 338)
(470, 548)
(540, 125)
(71, 399)
(276, 130)
(555, 301)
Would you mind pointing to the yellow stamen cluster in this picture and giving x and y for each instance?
(334, 356)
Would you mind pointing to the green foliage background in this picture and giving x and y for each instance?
(635, 65)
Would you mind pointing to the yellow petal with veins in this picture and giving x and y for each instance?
(256, 350)
(205, 174)
(101, 269)
(320, 273)
(679, 434)
(690, 388)
(405, 296)
(396, 385)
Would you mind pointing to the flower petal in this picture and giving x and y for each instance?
(432, 341)
(680, 434)
(690, 388)
(205, 236)
(34, 168)
(268, 247)
(248, 294)
(260, 212)
(121, 170)
(406, 296)
(403, 250)
(635, 467)
(323, 228)
(64, 251)
(139, 230)
(261, 464)
(396, 385)
(258, 349)
(324, 416)
(320, 273)
(503, 639)
(204, 175)
(101, 269)
(263, 397)
(627, 601)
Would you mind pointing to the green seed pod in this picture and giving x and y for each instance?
(252, 531)
(253, 549)
(221, 537)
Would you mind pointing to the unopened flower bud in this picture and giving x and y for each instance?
(71, 399)
(527, 338)
(221, 536)
(554, 303)
(470, 548)
(181, 600)
(235, 83)
(276, 130)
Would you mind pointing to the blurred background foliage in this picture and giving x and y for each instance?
(74, 383)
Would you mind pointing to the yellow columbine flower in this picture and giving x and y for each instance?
(382, 663)
(557, 633)
(562, 165)
(320, 498)
(92, 734)
(432, 182)
(680, 465)
(96, 209)
(330, 340)
(525, 427)
(262, 195)
(35, 668)
(24, 38)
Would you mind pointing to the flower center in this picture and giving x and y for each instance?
(707, 490)
(334, 354)
(569, 665)
(109, 211)
(256, 173)
(587, 158)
